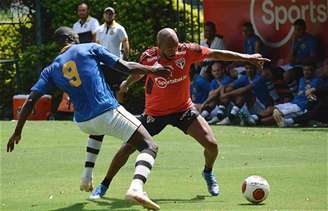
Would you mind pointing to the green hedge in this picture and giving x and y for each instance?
(9, 40)
(141, 18)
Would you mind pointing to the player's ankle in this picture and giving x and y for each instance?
(106, 182)
(207, 169)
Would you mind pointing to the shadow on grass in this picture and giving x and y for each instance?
(251, 204)
(120, 204)
(196, 199)
(77, 206)
(321, 129)
(113, 204)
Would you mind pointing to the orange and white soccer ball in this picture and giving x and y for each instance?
(255, 189)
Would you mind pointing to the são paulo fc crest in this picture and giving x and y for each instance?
(180, 63)
(161, 82)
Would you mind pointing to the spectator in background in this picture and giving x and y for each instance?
(235, 101)
(300, 103)
(304, 45)
(200, 87)
(220, 80)
(277, 87)
(212, 40)
(277, 91)
(252, 43)
(318, 97)
(303, 51)
(254, 96)
(113, 36)
(86, 26)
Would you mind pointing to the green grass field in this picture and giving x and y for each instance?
(44, 170)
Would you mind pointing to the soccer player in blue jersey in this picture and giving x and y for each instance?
(77, 72)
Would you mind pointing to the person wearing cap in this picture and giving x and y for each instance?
(86, 26)
(112, 35)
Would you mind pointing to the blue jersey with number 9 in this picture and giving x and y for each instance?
(77, 72)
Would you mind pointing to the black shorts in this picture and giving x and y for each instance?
(181, 120)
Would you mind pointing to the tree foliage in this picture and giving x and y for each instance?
(141, 19)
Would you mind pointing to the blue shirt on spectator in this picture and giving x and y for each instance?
(300, 99)
(200, 88)
(260, 90)
(304, 47)
(241, 81)
(250, 43)
(77, 72)
(216, 84)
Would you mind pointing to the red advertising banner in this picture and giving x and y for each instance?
(272, 21)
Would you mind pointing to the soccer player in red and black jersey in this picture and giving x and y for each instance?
(168, 100)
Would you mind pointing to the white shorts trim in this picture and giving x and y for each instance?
(289, 110)
(118, 123)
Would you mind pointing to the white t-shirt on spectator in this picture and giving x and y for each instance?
(217, 43)
(91, 24)
(111, 37)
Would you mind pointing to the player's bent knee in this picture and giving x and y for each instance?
(149, 147)
(152, 149)
(142, 140)
(128, 149)
(211, 145)
(214, 147)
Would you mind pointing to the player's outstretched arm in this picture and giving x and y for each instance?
(124, 87)
(131, 80)
(136, 68)
(125, 67)
(225, 55)
(26, 110)
(136, 71)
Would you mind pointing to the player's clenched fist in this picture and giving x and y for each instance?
(122, 91)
